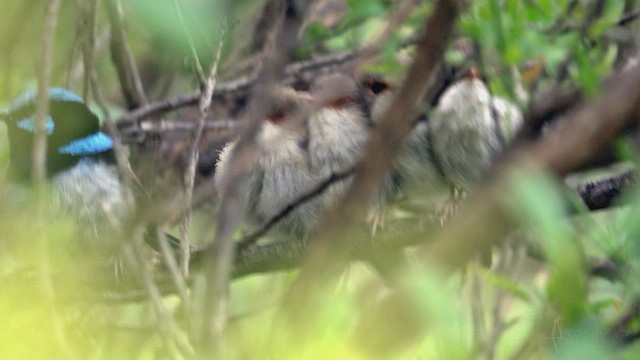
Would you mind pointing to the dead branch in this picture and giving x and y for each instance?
(601, 194)
(304, 198)
(305, 70)
(123, 60)
(329, 251)
(219, 258)
(190, 170)
(39, 165)
(288, 254)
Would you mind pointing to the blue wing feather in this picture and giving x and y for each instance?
(55, 93)
(29, 124)
(88, 145)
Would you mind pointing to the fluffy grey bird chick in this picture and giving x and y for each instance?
(468, 128)
(281, 172)
(338, 132)
(414, 168)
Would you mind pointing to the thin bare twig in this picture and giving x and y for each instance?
(75, 70)
(192, 47)
(329, 252)
(133, 253)
(288, 254)
(88, 45)
(190, 171)
(166, 324)
(39, 168)
(171, 126)
(219, 258)
(173, 268)
(39, 164)
(306, 69)
(85, 38)
(123, 60)
(304, 198)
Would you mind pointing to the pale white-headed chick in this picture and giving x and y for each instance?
(468, 128)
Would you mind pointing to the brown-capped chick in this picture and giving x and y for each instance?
(338, 131)
(281, 172)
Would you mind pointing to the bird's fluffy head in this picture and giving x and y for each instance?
(74, 132)
(335, 90)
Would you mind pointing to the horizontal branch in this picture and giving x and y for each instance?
(301, 69)
(135, 134)
(601, 194)
(287, 254)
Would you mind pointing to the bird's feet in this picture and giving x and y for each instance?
(451, 206)
(376, 219)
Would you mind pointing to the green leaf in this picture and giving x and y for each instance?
(505, 283)
(364, 9)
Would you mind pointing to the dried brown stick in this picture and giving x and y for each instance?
(89, 47)
(304, 198)
(285, 254)
(629, 17)
(219, 258)
(543, 109)
(600, 194)
(329, 252)
(288, 254)
(123, 60)
(39, 169)
(242, 84)
(190, 172)
(39, 164)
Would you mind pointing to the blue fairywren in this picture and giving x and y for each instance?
(79, 157)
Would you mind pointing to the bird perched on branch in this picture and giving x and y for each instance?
(338, 131)
(79, 157)
(469, 127)
(415, 169)
(281, 173)
(307, 139)
(455, 145)
(80, 166)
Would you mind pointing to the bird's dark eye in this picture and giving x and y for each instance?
(377, 87)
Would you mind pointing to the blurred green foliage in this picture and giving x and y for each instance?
(55, 302)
